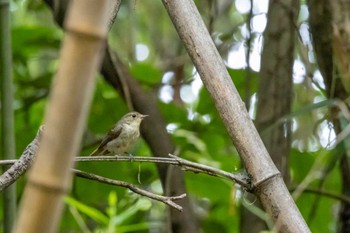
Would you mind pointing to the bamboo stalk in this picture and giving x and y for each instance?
(50, 177)
(268, 183)
(7, 113)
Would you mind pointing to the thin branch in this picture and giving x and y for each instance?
(240, 178)
(166, 200)
(186, 165)
(6, 163)
(21, 165)
(325, 193)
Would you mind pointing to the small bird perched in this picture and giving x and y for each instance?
(122, 136)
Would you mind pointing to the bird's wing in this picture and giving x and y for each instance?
(111, 135)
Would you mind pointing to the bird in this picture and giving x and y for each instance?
(122, 136)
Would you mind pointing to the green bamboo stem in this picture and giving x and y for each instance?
(7, 113)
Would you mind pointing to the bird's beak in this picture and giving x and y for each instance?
(143, 116)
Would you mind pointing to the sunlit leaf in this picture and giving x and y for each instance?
(87, 210)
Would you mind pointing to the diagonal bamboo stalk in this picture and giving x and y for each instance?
(50, 177)
(268, 183)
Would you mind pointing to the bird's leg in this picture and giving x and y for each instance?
(131, 157)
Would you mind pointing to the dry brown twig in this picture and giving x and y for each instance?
(166, 200)
(186, 165)
(20, 166)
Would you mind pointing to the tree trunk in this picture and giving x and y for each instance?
(331, 39)
(275, 94)
(266, 179)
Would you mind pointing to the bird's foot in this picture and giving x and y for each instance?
(131, 157)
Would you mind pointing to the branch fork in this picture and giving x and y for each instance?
(20, 166)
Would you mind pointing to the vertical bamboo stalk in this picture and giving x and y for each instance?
(7, 113)
(267, 180)
(50, 178)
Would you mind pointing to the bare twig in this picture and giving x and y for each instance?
(325, 193)
(166, 200)
(20, 166)
(186, 165)
(240, 178)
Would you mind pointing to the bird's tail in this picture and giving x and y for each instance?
(97, 151)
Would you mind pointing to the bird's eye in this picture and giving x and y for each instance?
(133, 115)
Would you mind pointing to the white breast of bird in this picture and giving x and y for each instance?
(124, 142)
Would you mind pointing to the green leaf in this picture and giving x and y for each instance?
(87, 210)
(146, 73)
(143, 204)
(239, 78)
(112, 202)
(173, 113)
(27, 40)
(192, 139)
(140, 227)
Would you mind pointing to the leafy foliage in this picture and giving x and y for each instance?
(194, 125)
